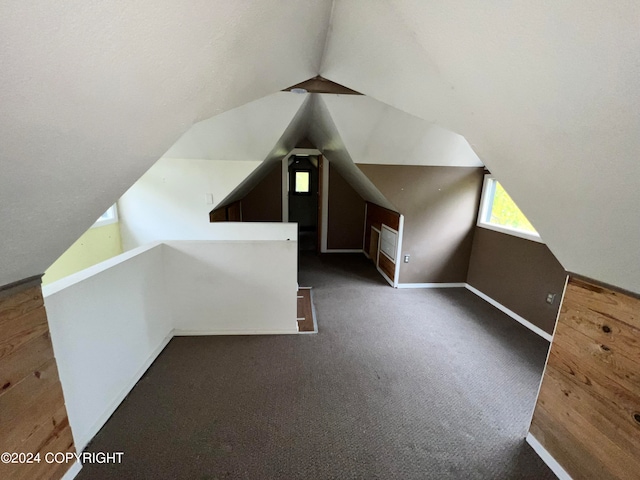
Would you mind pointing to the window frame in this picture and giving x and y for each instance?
(112, 218)
(486, 202)
(293, 181)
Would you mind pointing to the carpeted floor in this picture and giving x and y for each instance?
(397, 384)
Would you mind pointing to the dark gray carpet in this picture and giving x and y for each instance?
(398, 384)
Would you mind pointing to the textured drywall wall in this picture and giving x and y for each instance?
(94, 246)
(93, 93)
(170, 200)
(518, 274)
(440, 207)
(546, 94)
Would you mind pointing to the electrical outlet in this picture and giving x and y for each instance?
(406, 259)
(551, 297)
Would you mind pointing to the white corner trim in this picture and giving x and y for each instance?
(324, 221)
(82, 443)
(546, 457)
(432, 285)
(73, 471)
(285, 189)
(343, 250)
(511, 313)
(396, 273)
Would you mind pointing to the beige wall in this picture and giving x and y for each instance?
(517, 273)
(440, 206)
(345, 215)
(264, 202)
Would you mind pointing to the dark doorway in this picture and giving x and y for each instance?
(303, 200)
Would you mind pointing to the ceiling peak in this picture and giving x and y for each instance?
(320, 84)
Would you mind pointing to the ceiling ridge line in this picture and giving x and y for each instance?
(326, 37)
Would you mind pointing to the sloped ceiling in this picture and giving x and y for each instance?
(367, 125)
(94, 92)
(294, 132)
(545, 93)
(248, 132)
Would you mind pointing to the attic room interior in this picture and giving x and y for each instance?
(234, 153)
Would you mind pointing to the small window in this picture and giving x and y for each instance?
(302, 183)
(108, 217)
(499, 212)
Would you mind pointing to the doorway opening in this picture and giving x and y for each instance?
(303, 199)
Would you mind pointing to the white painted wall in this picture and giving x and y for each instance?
(107, 324)
(233, 287)
(374, 132)
(248, 132)
(169, 201)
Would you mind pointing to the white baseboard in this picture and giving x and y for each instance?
(73, 471)
(82, 443)
(343, 250)
(546, 457)
(511, 313)
(366, 255)
(432, 285)
(197, 333)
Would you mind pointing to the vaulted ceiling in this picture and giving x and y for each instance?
(545, 93)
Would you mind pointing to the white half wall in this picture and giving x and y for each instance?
(107, 323)
(170, 200)
(233, 287)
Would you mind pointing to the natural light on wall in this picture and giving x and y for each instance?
(101, 242)
(499, 212)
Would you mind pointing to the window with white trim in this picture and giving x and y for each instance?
(500, 213)
(108, 217)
